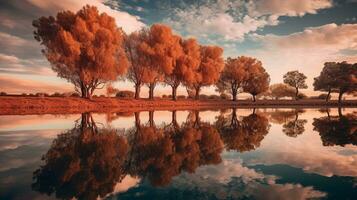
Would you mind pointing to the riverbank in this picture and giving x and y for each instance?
(67, 105)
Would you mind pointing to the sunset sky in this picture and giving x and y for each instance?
(284, 34)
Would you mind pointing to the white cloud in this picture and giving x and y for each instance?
(306, 50)
(232, 20)
(223, 19)
(128, 22)
(287, 7)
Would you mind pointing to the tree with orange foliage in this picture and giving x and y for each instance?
(257, 80)
(84, 47)
(136, 60)
(160, 51)
(233, 76)
(186, 65)
(209, 70)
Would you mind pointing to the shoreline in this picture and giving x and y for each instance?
(72, 105)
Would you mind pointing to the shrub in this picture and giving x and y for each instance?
(203, 96)
(225, 96)
(102, 95)
(24, 94)
(213, 96)
(302, 96)
(75, 94)
(40, 94)
(164, 96)
(3, 94)
(125, 94)
(56, 94)
(181, 97)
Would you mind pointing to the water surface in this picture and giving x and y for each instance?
(220, 154)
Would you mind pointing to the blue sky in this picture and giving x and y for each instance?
(284, 34)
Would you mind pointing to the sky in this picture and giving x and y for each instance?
(284, 34)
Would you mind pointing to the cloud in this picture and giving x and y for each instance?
(221, 19)
(128, 22)
(232, 180)
(232, 20)
(18, 85)
(287, 7)
(306, 50)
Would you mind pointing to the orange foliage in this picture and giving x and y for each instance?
(211, 65)
(160, 50)
(258, 79)
(84, 47)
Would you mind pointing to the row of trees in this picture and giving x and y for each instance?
(89, 50)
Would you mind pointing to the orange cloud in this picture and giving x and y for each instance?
(17, 86)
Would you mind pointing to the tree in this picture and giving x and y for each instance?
(345, 79)
(210, 67)
(327, 81)
(257, 80)
(84, 47)
(233, 75)
(186, 65)
(137, 63)
(281, 90)
(160, 51)
(297, 80)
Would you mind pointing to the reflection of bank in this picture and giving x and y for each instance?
(337, 130)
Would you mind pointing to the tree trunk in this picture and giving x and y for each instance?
(328, 94)
(137, 119)
(340, 97)
(174, 120)
(174, 92)
(339, 112)
(297, 94)
(254, 98)
(197, 95)
(137, 91)
(151, 90)
(151, 118)
(234, 94)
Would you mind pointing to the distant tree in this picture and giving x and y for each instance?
(258, 79)
(84, 47)
(160, 51)
(234, 74)
(297, 80)
(281, 90)
(210, 67)
(111, 90)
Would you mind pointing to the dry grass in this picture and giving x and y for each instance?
(65, 105)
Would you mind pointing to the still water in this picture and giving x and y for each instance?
(211, 154)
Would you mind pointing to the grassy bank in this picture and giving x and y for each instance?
(65, 105)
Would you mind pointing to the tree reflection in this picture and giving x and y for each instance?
(243, 135)
(84, 162)
(337, 130)
(159, 154)
(292, 125)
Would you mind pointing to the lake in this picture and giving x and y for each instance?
(208, 154)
